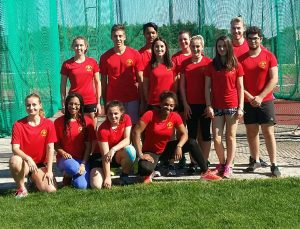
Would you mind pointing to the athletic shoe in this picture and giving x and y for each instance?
(21, 192)
(227, 171)
(263, 163)
(192, 169)
(147, 179)
(156, 174)
(181, 164)
(253, 166)
(124, 180)
(219, 170)
(210, 176)
(275, 171)
(171, 171)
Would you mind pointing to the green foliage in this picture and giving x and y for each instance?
(227, 204)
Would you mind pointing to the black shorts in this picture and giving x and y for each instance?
(95, 161)
(265, 114)
(90, 108)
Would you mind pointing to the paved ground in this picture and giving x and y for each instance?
(288, 142)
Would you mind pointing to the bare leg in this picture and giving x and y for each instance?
(96, 178)
(253, 140)
(19, 170)
(231, 127)
(268, 132)
(217, 129)
(41, 182)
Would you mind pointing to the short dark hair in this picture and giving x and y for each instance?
(168, 94)
(254, 30)
(150, 24)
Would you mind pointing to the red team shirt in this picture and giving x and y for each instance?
(239, 50)
(74, 142)
(113, 136)
(194, 74)
(145, 56)
(81, 76)
(257, 72)
(160, 79)
(33, 140)
(158, 132)
(121, 71)
(178, 58)
(224, 86)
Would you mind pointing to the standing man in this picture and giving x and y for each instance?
(240, 47)
(121, 73)
(150, 31)
(237, 29)
(261, 76)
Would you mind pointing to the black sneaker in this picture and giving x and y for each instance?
(253, 166)
(192, 169)
(171, 171)
(263, 163)
(181, 164)
(275, 171)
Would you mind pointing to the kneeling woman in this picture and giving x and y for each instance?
(159, 126)
(32, 142)
(114, 145)
(75, 133)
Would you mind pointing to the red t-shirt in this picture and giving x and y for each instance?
(113, 136)
(194, 74)
(224, 93)
(81, 76)
(74, 140)
(178, 58)
(239, 50)
(257, 72)
(160, 79)
(145, 56)
(33, 140)
(158, 132)
(121, 71)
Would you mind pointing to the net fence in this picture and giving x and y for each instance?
(36, 35)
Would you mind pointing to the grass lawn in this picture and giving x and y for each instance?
(271, 203)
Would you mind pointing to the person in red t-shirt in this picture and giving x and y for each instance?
(32, 142)
(150, 31)
(83, 73)
(261, 76)
(159, 74)
(121, 71)
(237, 29)
(159, 126)
(192, 87)
(75, 133)
(114, 144)
(224, 95)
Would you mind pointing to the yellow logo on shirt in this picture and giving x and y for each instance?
(129, 62)
(88, 68)
(79, 129)
(262, 64)
(44, 132)
(170, 125)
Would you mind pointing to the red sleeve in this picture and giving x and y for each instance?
(96, 66)
(90, 129)
(103, 67)
(139, 63)
(64, 69)
(240, 70)
(147, 117)
(59, 128)
(102, 133)
(15, 138)
(127, 120)
(178, 119)
(208, 70)
(273, 60)
(147, 71)
(51, 137)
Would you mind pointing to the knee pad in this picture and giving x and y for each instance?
(130, 150)
(71, 166)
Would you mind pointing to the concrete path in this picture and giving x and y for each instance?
(288, 157)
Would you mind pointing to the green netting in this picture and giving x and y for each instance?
(35, 37)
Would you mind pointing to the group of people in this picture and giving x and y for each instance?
(157, 108)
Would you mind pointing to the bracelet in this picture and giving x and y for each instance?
(241, 109)
(179, 146)
(140, 155)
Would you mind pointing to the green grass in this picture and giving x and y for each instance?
(272, 203)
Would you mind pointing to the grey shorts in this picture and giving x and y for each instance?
(265, 114)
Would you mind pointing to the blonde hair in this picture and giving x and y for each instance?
(198, 37)
(34, 95)
(237, 20)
